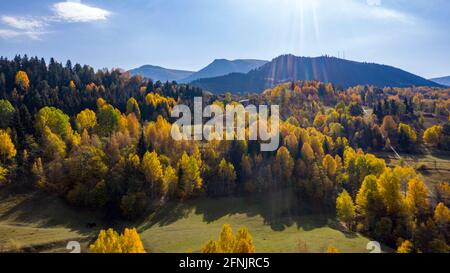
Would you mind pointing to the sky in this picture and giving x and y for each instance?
(189, 34)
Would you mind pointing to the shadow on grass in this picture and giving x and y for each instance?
(43, 211)
(278, 210)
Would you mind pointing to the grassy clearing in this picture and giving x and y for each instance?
(38, 223)
(269, 219)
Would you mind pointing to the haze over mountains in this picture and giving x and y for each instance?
(257, 75)
(158, 73)
(219, 67)
(326, 69)
(443, 80)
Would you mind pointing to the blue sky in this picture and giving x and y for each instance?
(189, 34)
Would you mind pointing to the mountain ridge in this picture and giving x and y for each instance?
(442, 80)
(326, 69)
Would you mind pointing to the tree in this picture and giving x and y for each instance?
(406, 136)
(329, 164)
(442, 216)
(22, 80)
(86, 120)
(284, 165)
(417, 197)
(433, 136)
(189, 176)
(368, 199)
(7, 148)
(345, 208)
(331, 249)
(55, 120)
(3, 175)
(110, 241)
(389, 186)
(133, 107)
(389, 126)
(228, 243)
(108, 120)
(54, 146)
(152, 169)
(307, 153)
(406, 247)
(6, 113)
(226, 176)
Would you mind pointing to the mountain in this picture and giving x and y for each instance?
(157, 73)
(326, 69)
(222, 67)
(443, 80)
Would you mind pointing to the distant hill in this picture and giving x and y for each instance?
(443, 80)
(157, 73)
(221, 67)
(326, 69)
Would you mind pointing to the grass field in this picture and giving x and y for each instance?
(37, 223)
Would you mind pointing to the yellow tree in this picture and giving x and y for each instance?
(432, 136)
(86, 119)
(442, 216)
(307, 153)
(406, 247)
(329, 164)
(284, 165)
(22, 80)
(7, 148)
(345, 208)
(152, 169)
(226, 239)
(133, 107)
(390, 191)
(368, 198)
(417, 197)
(109, 241)
(228, 243)
(332, 249)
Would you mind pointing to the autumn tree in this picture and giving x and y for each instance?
(86, 120)
(407, 136)
(417, 197)
(189, 176)
(22, 80)
(283, 166)
(345, 208)
(406, 247)
(307, 153)
(110, 241)
(133, 107)
(389, 186)
(225, 182)
(442, 216)
(7, 148)
(331, 249)
(229, 243)
(330, 166)
(55, 120)
(368, 200)
(152, 169)
(433, 136)
(108, 120)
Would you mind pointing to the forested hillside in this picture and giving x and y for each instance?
(101, 140)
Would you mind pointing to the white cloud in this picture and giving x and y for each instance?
(22, 23)
(75, 11)
(9, 34)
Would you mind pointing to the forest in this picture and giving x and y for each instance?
(100, 140)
